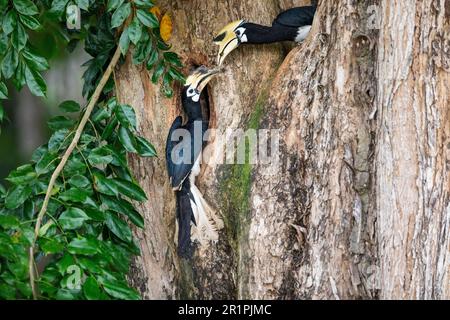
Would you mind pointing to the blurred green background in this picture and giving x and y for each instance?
(26, 127)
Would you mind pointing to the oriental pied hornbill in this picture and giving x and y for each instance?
(291, 25)
(183, 155)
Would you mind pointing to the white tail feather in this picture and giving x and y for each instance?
(207, 221)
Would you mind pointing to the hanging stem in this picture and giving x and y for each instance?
(94, 99)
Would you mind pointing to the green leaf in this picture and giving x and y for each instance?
(17, 196)
(120, 15)
(105, 185)
(19, 37)
(92, 264)
(9, 22)
(69, 106)
(83, 4)
(128, 140)
(147, 4)
(51, 246)
(79, 181)
(38, 153)
(9, 222)
(109, 129)
(118, 227)
(35, 61)
(74, 195)
(2, 114)
(75, 166)
(47, 163)
(58, 7)
(173, 59)
(57, 139)
(35, 82)
(177, 75)
(29, 209)
(152, 59)
(7, 292)
(3, 91)
(22, 175)
(119, 290)
(64, 263)
(30, 22)
(113, 4)
(120, 158)
(162, 45)
(83, 246)
(66, 295)
(135, 31)
(148, 19)
(10, 62)
(95, 214)
(123, 207)
(91, 289)
(19, 76)
(130, 189)
(142, 50)
(72, 219)
(101, 114)
(126, 116)
(60, 122)
(159, 70)
(145, 148)
(87, 139)
(100, 156)
(19, 268)
(4, 42)
(124, 42)
(45, 228)
(26, 7)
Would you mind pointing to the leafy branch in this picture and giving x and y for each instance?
(65, 218)
(94, 99)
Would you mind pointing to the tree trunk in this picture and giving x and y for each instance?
(359, 205)
(413, 150)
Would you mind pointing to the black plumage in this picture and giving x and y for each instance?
(291, 25)
(284, 28)
(179, 167)
(296, 17)
(184, 147)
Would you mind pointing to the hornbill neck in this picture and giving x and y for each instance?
(258, 34)
(193, 110)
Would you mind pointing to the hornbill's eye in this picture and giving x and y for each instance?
(191, 91)
(239, 32)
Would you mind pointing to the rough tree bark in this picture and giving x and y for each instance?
(413, 149)
(360, 205)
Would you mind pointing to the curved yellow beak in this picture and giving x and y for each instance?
(200, 78)
(227, 40)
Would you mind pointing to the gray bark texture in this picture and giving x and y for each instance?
(359, 207)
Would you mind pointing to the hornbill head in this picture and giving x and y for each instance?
(229, 38)
(197, 81)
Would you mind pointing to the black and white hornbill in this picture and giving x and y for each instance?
(196, 220)
(291, 25)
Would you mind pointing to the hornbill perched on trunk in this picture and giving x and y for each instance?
(183, 155)
(291, 25)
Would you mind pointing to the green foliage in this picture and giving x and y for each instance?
(87, 215)
(85, 243)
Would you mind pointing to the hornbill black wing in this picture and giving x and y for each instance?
(170, 145)
(296, 17)
(181, 165)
